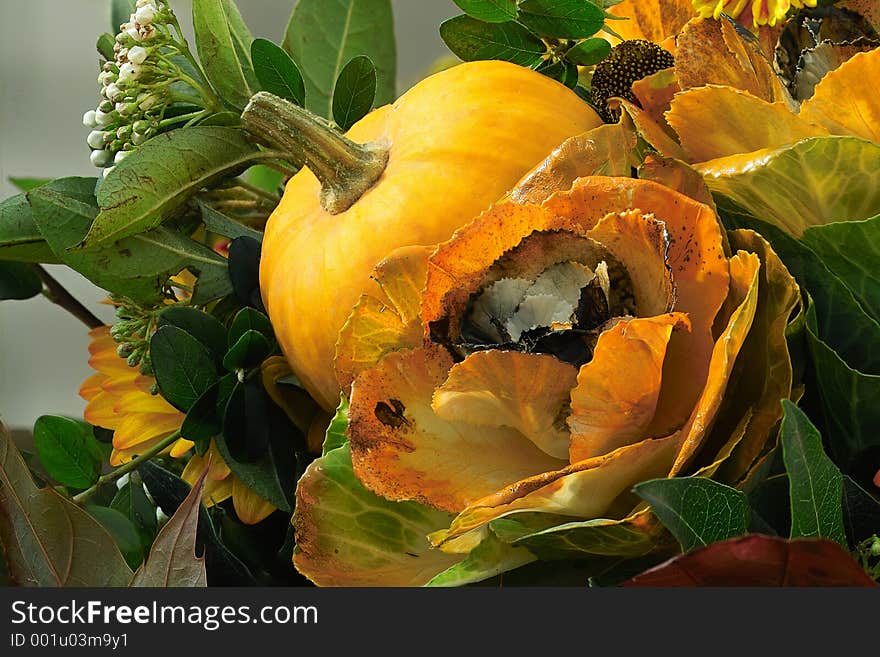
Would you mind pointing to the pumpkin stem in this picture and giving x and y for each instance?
(346, 169)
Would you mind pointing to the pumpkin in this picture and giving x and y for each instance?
(406, 174)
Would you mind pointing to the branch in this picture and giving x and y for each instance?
(57, 294)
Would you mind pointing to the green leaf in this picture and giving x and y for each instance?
(246, 422)
(224, 45)
(851, 249)
(184, 368)
(67, 450)
(861, 512)
(473, 40)
(150, 186)
(589, 52)
(347, 535)
(173, 561)
(265, 178)
(136, 267)
(249, 351)
(566, 19)
(697, 510)
(217, 222)
(20, 239)
(354, 92)
(132, 502)
(335, 436)
(105, 45)
(277, 72)
(123, 532)
(205, 328)
(18, 280)
(814, 182)
(491, 557)
(202, 423)
(564, 72)
(48, 540)
(120, 12)
(27, 184)
(816, 485)
(489, 11)
(249, 319)
(323, 35)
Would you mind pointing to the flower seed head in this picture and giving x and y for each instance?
(628, 62)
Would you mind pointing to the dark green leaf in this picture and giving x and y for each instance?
(27, 184)
(67, 450)
(564, 72)
(123, 532)
(861, 512)
(816, 485)
(203, 327)
(851, 249)
(224, 44)
(249, 319)
(473, 40)
(354, 92)
(135, 267)
(47, 539)
(104, 46)
(697, 510)
(322, 36)
(265, 178)
(219, 223)
(489, 11)
(250, 350)
(244, 271)
(223, 119)
(566, 19)
(202, 422)
(335, 436)
(150, 186)
(174, 559)
(245, 422)
(184, 368)
(277, 72)
(120, 12)
(18, 280)
(771, 506)
(132, 502)
(20, 239)
(589, 52)
(169, 491)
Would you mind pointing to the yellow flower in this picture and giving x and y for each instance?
(764, 12)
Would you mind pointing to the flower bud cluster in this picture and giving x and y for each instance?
(134, 85)
(132, 332)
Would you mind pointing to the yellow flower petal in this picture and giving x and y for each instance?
(526, 392)
(138, 428)
(250, 507)
(100, 411)
(654, 20)
(181, 447)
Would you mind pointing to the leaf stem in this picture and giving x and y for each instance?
(57, 294)
(257, 191)
(110, 477)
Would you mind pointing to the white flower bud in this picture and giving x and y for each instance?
(138, 138)
(144, 3)
(147, 101)
(106, 172)
(89, 119)
(96, 139)
(129, 71)
(106, 77)
(121, 155)
(100, 158)
(103, 118)
(122, 482)
(137, 55)
(145, 15)
(113, 92)
(133, 33)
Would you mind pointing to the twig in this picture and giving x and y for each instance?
(57, 294)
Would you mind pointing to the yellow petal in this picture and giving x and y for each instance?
(181, 447)
(137, 401)
(92, 386)
(401, 276)
(250, 507)
(138, 428)
(744, 279)
(585, 490)
(526, 392)
(295, 402)
(616, 393)
(845, 101)
(654, 20)
(217, 491)
(715, 121)
(650, 129)
(402, 450)
(655, 92)
(100, 411)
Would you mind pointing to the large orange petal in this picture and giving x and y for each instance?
(744, 283)
(137, 428)
(655, 92)
(100, 411)
(402, 450)
(845, 101)
(526, 392)
(584, 490)
(250, 507)
(653, 20)
(92, 386)
(616, 393)
(137, 401)
(714, 121)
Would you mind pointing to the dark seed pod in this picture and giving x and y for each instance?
(628, 62)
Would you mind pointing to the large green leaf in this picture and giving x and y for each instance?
(570, 19)
(219, 223)
(123, 532)
(132, 502)
(489, 11)
(224, 44)
(20, 239)
(851, 249)
(816, 485)
(150, 186)
(697, 510)
(277, 72)
(49, 540)
(491, 557)
(173, 560)
(18, 280)
(183, 366)
(473, 40)
(68, 450)
(354, 92)
(323, 35)
(135, 267)
(346, 535)
(814, 182)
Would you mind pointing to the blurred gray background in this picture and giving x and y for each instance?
(48, 70)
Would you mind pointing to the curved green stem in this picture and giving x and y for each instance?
(346, 169)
